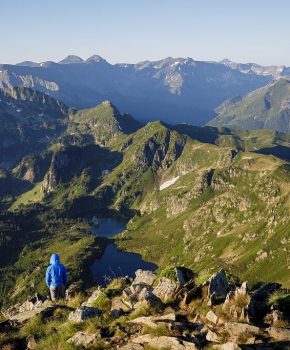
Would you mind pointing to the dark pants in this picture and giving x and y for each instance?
(57, 292)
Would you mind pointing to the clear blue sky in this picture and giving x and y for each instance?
(135, 30)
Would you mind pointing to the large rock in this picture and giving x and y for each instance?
(83, 313)
(72, 290)
(36, 302)
(132, 347)
(31, 342)
(118, 304)
(212, 337)
(180, 276)
(279, 334)
(91, 300)
(141, 296)
(218, 287)
(166, 289)
(25, 316)
(144, 277)
(237, 328)
(259, 306)
(152, 321)
(84, 339)
(164, 342)
(227, 346)
(212, 317)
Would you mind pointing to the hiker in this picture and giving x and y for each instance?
(56, 278)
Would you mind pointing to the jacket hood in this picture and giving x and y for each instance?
(54, 259)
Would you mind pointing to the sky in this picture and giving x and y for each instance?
(135, 30)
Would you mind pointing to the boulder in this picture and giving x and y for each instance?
(243, 290)
(152, 321)
(218, 287)
(118, 304)
(116, 313)
(212, 317)
(237, 328)
(279, 334)
(166, 289)
(72, 290)
(36, 302)
(91, 300)
(227, 346)
(141, 296)
(25, 316)
(144, 277)
(83, 313)
(180, 276)
(164, 342)
(259, 306)
(132, 347)
(84, 339)
(31, 343)
(212, 337)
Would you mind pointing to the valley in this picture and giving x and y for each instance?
(200, 197)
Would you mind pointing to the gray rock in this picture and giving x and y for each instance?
(118, 304)
(166, 289)
(31, 342)
(84, 339)
(164, 342)
(259, 306)
(212, 337)
(132, 347)
(25, 316)
(237, 328)
(72, 290)
(279, 334)
(152, 321)
(212, 317)
(227, 346)
(144, 277)
(218, 287)
(91, 300)
(180, 276)
(83, 313)
(116, 313)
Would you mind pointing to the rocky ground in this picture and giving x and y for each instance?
(164, 311)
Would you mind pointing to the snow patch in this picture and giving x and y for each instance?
(168, 183)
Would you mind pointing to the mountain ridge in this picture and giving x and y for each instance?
(174, 90)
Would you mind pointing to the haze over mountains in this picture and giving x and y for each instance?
(174, 90)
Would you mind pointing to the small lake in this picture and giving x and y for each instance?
(114, 262)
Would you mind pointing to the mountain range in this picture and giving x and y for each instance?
(174, 90)
(265, 108)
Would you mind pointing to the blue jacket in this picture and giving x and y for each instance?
(55, 273)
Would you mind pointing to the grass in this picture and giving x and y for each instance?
(35, 195)
(160, 330)
(76, 300)
(280, 297)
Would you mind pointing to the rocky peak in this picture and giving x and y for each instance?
(71, 59)
(95, 59)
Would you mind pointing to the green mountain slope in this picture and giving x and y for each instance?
(265, 108)
(202, 197)
(102, 125)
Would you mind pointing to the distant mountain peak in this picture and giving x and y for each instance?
(71, 59)
(96, 59)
